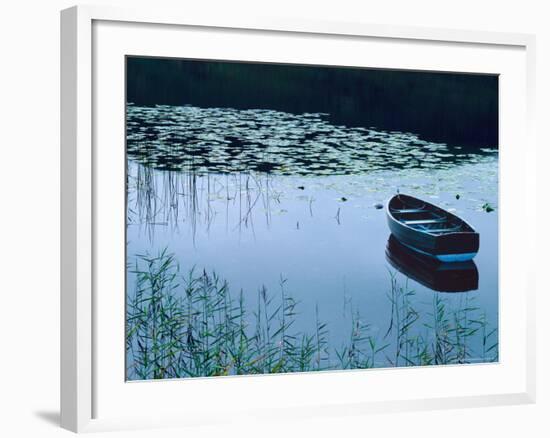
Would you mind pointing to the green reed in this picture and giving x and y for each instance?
(450, 335)
(403, 318)
(189, 325)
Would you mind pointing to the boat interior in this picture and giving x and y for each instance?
(425, 217)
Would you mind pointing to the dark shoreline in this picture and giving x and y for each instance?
(457, 109)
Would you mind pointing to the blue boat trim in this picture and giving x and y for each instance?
(448, 258)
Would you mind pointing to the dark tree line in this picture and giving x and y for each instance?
(458, 109)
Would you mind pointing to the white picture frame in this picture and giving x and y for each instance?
(93, 39)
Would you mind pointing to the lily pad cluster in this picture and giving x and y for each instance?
(226, 140)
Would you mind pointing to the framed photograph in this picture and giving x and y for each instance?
(264, 217)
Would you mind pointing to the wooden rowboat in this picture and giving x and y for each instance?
(430, 230)
(441, 277)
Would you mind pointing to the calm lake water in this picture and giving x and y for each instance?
(259, 196)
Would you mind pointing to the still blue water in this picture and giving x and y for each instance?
(258, 195)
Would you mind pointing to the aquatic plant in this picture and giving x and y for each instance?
(403, 317)
(228, 140)
(189, 325)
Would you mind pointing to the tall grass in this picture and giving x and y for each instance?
(189, 325)
(403, 318)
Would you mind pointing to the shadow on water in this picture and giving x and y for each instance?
(441, 277)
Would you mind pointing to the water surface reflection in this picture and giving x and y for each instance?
(265, 198)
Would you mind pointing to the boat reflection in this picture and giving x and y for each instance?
(438, 276)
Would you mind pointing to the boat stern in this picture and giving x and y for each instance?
(457, 247)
